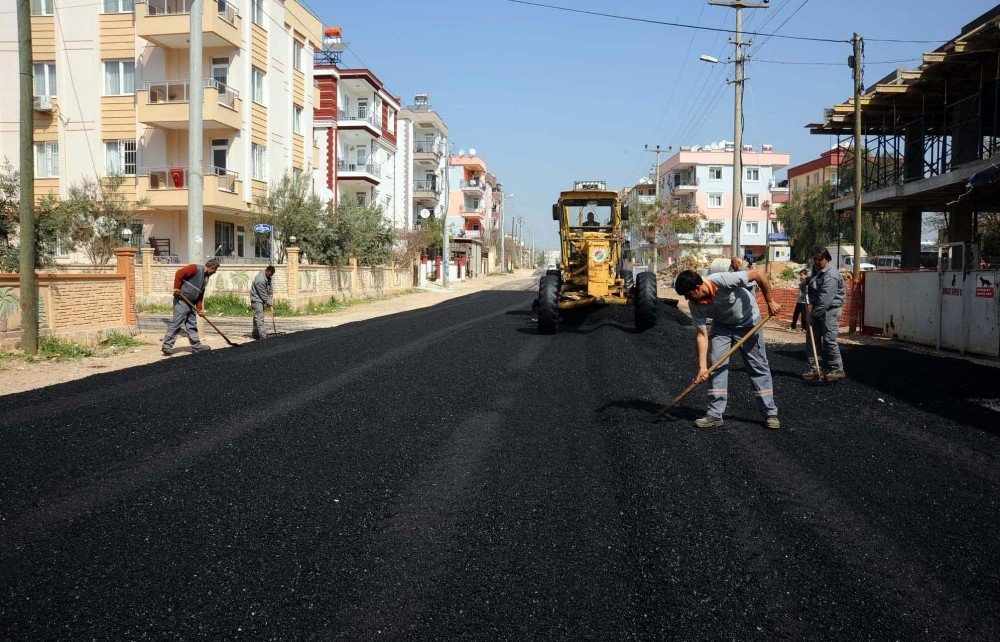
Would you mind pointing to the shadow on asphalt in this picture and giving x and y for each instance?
(590, 320)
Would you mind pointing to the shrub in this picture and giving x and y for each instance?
(227, 305)
(54, 347)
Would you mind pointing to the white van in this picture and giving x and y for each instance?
(890, 262)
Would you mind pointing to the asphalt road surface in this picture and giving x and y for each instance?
(448, 473)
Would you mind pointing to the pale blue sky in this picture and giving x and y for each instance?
(547, 97)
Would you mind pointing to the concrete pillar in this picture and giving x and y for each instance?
(147, 271)
(292, 275)
(913, 153)
(912, 224)
(353, 264)
(126, 268)
(960, 222)
(422, 277)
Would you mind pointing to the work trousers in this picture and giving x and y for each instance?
(721, 339)
(824, 329)
(800, 311)
(184, 319)
(259, 324)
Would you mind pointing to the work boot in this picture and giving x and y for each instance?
(812, 375)
(708, 421)
(772, 422)
(167, 352)
(836, 375)
(201, 347)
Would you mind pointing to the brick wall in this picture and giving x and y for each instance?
(786, 298)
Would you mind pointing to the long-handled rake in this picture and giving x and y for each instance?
(812, 342)
(754, 330)
(209, 321)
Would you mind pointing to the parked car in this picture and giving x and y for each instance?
(889, 262)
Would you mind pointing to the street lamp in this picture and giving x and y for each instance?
(706, 58)
(503, 242)
(126, 235)
(292, 239)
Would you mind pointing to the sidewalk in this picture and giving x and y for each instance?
(18, 376)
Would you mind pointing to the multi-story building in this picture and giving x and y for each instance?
(422, 162)
(642, 193)
(355, 133)
(701, 178)
(111, 97)
(817, 171)
(475, 211)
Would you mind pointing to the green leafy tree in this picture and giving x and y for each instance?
(672, 225)
(292, 209)
(94, 215)
(362, 231)
(49, 224)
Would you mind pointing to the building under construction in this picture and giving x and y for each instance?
(931, 141)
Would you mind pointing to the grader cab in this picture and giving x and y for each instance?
(592, 269)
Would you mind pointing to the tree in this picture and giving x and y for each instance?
(291, 209)
(50, 225)
(94, 215)
(362, 231)
(663, 223)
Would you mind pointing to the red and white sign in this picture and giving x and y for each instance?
(988, 292)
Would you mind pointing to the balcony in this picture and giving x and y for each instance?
(167, 188)
(645, 199)
(686, 185)
(475, 211)
(165, 104)
(359, 117)
(428, 150)
(426, 189)
(168, 23)
(474, 185)
(359, 169)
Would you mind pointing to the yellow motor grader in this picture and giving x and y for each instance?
(592, 268)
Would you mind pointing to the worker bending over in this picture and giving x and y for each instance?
(826, 293)
(261, 294)
(190, 281)
(725, 298)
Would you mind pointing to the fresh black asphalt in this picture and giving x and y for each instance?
(448, 473)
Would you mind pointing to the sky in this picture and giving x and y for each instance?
(548, 97)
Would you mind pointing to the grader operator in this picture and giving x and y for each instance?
(591, 269)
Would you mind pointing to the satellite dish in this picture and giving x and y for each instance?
(472, 151)
(461, 152)
(425, 213)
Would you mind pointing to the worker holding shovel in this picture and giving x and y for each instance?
(190, 283)
(826, 292)
(261, 294)
(725, 297)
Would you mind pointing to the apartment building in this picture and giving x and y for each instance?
(111, 89)
(422, 162)
(475, 211)
(355, 131)
(702, 179)
(817, 171)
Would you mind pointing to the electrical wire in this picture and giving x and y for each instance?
(834, 64)
(702, 28)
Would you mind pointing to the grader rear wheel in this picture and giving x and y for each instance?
(548, 304)
(645, 301)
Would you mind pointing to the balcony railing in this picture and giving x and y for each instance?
(359, 165)
(477, 183)
(168, 178)
(361, 113)
(425, 186)
(427, 147)
(226, 11)
(165, 92)
(472, 209)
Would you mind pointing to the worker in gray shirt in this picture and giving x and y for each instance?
(261, 294)
(826, 294)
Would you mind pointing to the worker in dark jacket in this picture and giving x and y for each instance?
(261, 294)
(802, 300)
(826, 293)
(190, 281)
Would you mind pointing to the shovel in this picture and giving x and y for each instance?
(754, 330)
(209, 321)
(812, 341)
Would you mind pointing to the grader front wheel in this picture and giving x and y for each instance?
(548, 304)
(645, 301)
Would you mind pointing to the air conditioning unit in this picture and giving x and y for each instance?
(43, 103)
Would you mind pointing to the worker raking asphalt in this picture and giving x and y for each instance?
(450, 473)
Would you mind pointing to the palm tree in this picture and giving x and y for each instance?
(8, 305)
(240, 280)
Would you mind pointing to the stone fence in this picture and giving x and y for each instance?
(86, 308)
(298, 284)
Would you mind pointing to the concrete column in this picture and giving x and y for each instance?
(912, 224)
(147, 271)
(292, 275)
(960, 222)
(126, 268)
(913, 154)
(353, 264)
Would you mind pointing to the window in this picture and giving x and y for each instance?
(296, 119)
(752, 227)
(47, 160)
(361, 196)
(119, 6)
(774, 227)
(715, 200)
(119, 157)
(833, 177)
(715, 174)
(390, 126)
(41, 7)
(257, 80)
(714, 227)
(753, 200)
(753, 173)
(259, 162)
(296, 55)
(257, 12)
(45, 78)
(119, 77)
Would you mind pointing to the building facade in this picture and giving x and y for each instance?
(422, 162)
(111, 98)
(701, 179)
(817, 171)
(475, 212)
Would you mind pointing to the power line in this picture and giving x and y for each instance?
(682, 25)
(833, 64)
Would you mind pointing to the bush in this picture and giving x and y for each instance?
(56, 348)
(123, 341)
(226, 305)
(788, 274)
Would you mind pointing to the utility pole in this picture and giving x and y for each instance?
(26, 208)
(738, 80)
(196, 139)
(860, 156)
(657, 150)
